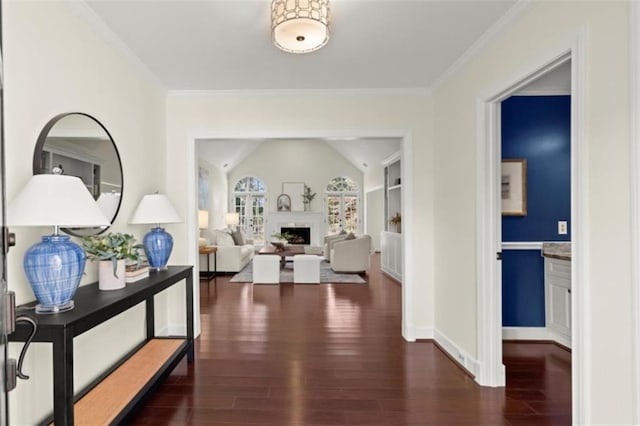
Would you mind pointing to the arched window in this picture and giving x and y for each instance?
(249, 199)
(343, 205)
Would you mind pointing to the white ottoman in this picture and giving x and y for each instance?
(266, 269)
(306, 269)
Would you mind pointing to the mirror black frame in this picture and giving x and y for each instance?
(42, 138)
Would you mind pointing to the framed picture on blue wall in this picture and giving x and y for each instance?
(514, 187)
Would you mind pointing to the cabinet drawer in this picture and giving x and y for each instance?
(557, 268)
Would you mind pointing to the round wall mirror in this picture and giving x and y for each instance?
(79, 145)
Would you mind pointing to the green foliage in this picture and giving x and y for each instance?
(282, 235)
(308, 196)
(113, 246)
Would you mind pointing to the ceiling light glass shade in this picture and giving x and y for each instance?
(300, 26)
(157, 243)
(55, 265)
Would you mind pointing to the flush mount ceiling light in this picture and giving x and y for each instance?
(300, 26)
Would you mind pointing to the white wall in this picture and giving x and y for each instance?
(541, 30)
(218, 199)
(192, 116)
(54, 63)
(312, 162)
(374, 222)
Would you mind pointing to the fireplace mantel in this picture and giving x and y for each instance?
(314, 220)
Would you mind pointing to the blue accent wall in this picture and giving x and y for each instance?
(523, 288)
(537, 128)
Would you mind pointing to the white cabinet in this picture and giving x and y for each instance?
(392, 192)
(391, 254)
(557, 278)
(391, 238)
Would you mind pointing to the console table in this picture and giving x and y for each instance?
(93, 307)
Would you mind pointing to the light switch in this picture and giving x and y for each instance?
(562, 227)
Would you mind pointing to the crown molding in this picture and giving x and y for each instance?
(301, 92)
(496, 29)
(87, 15)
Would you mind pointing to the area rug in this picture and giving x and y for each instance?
(327, 275)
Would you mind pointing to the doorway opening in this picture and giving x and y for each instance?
(408, 331)
(489, 325)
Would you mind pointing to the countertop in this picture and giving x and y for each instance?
(559, 250)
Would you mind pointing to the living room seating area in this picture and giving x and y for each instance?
(230, 257)
(348, 253)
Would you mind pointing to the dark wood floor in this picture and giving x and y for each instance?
(332, 354)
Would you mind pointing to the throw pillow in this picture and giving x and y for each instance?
(342, 232)
(223, 238)
(350, 236)
(238, 238)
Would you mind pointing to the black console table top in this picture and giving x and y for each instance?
(93, 306)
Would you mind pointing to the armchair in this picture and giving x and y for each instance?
(329, 241)
(351, 255)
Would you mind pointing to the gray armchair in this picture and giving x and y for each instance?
(351, 255)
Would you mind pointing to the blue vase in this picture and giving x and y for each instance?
(157, 246)
(54, 268)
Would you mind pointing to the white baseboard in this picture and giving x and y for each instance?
(412, 332)
(526, 333)
(534, 333)
(462, 357)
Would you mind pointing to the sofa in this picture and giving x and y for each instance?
(351, 254)
(230, 257)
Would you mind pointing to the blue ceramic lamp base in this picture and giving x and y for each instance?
(54, 309)
(54, 268)
(157, 247)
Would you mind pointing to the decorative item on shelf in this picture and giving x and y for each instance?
(280, 240)
(283, 203)
(307, 198)
(396, 220)
(157, 243)
(112, 250)
(54, 266)
(232, 220)
(203, 223)
(135, 272)
(300, 26)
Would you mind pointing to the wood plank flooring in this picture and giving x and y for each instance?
(332, 354)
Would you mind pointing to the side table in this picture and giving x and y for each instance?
(208, 251)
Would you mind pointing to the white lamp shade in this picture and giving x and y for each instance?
(155, 208)
(232, 219)
(203, 219)
(55, 200)
(108, 203)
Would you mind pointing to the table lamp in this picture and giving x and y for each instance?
(54, 266)
(232, 220)
(156, 208)
(109, 203)
(203, 223)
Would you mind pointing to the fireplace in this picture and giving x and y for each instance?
(300, 234)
